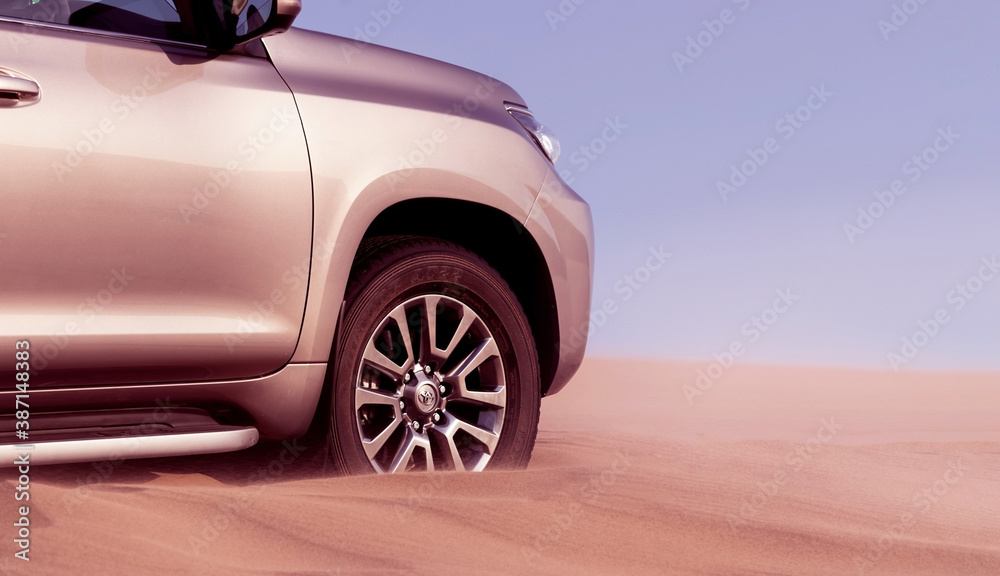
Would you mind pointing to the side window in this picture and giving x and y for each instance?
(157, 19)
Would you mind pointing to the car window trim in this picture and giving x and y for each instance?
(105, 33)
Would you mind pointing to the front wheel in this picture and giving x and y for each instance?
(436, 367)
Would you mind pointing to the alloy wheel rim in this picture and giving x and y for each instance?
(430, 392)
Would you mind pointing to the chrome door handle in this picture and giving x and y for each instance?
(14, 90)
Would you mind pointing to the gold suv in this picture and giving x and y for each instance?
(216, 229)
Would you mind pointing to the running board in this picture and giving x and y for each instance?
(117, 435)
(121, 448)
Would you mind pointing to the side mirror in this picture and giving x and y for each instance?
(247, 22)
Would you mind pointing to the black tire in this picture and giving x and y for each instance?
(404, 277)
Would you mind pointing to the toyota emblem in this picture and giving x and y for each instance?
(426, 397)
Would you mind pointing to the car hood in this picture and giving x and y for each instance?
(333, 66)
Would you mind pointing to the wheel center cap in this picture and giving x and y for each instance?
(426, 397)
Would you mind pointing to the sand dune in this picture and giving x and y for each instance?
(771, 471)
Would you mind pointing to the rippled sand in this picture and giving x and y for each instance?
(770, 471)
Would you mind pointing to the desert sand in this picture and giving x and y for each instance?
(768, 471)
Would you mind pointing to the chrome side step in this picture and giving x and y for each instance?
(120, 448)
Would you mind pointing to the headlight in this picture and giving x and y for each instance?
(545, 138)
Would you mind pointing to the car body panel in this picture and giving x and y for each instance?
(145, 238)
(280, 405)
(562, 225)
(383, 127)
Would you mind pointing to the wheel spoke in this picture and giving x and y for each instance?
(486, 350)
(428, 454)
(428, 336)
(429, 349)
(411, 442)
(374, 446)
(453, 425)
(367, 396)
(448, 434)
(399, 315)
(489, 439)
(496, 399)
(378, 360)
(468, 317)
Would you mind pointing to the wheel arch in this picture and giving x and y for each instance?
(501, 241)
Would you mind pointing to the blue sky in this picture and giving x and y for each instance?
(880, 94)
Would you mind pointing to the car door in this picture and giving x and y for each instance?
(155, 199)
